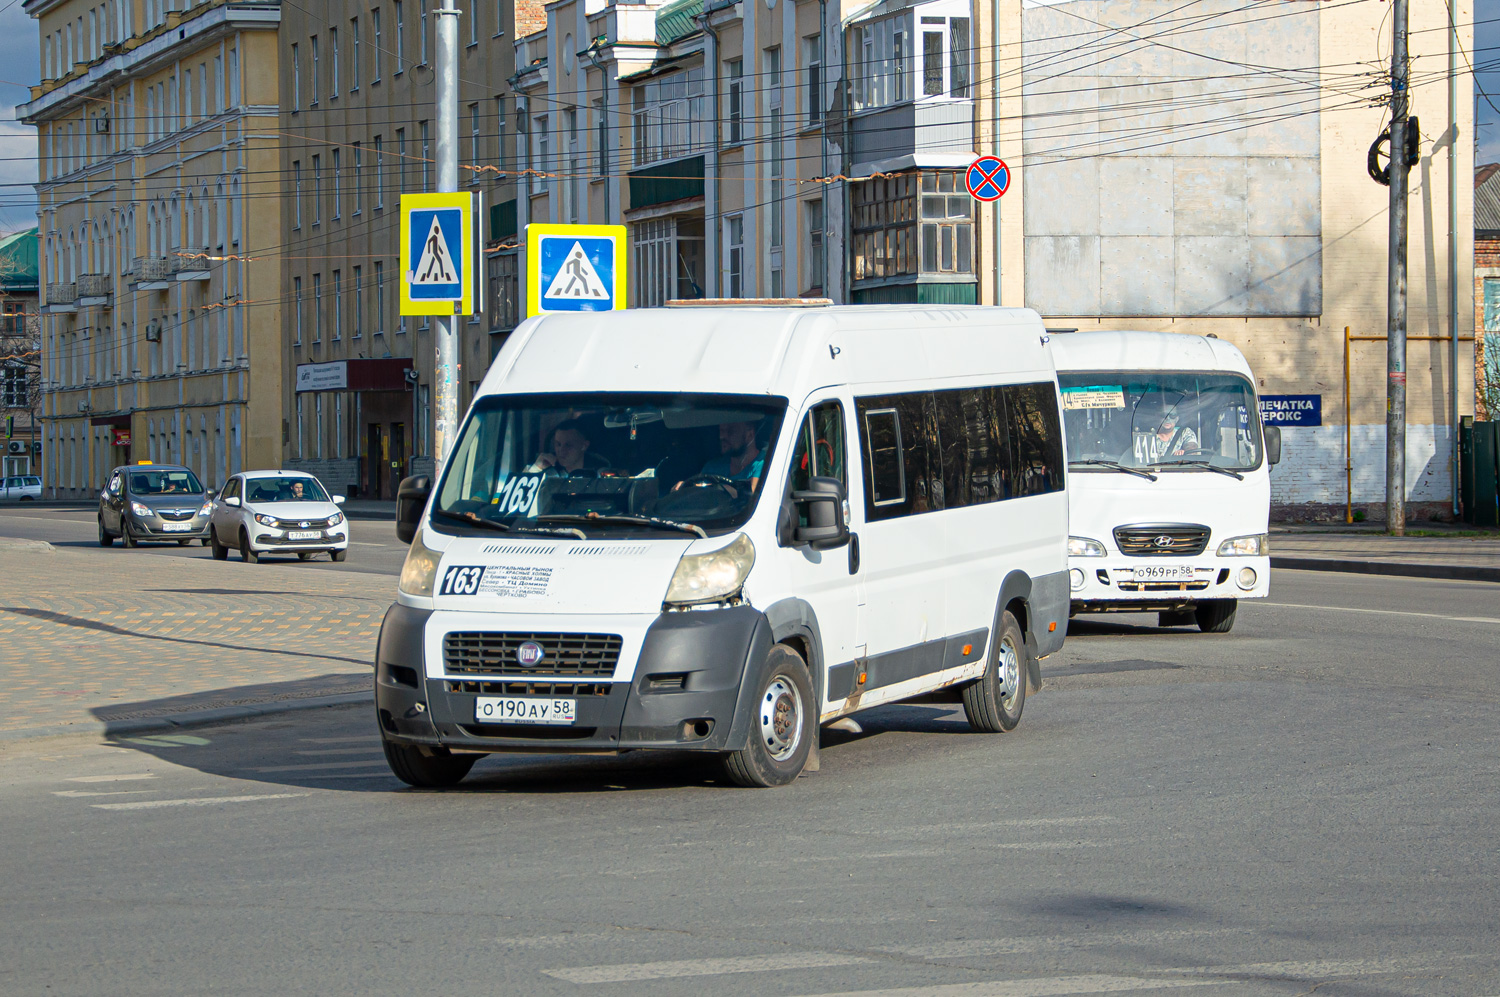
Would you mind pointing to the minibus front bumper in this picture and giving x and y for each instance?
(682, 692)
(1112, 585)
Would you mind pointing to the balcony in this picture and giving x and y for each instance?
(190, 266)
(95, 290)
(61, 296)
(915, 133)
(152, 273)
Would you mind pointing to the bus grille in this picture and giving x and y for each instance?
(483, 653)
(1163, 540)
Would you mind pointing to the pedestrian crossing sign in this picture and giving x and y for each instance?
(575, 268)
(439, 261)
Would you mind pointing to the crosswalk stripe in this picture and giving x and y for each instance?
(634, 971)
(195, 801)
(74, 793)
(315, 766)
(1040, 987)
(112, 778)
(1314, 968)
(1023, 945)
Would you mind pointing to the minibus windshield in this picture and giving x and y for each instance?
(610, 463)
(1164, 420)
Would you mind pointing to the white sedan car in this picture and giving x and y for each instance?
(276, 512)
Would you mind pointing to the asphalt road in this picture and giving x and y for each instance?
(1306, 804)
(372, 543)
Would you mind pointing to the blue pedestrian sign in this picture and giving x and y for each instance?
(575, 268)
(988, 178)
(438, 260)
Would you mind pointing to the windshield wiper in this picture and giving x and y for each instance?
(474, 519)
(595, 517)
(1199, 463)
(1115, 465)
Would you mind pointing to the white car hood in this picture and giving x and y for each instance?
(293, 510)
(529, 574)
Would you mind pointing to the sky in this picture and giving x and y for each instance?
(19, 68)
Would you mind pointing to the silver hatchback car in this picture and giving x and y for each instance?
(163, 502)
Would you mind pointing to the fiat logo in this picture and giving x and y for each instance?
(529, 653)
(1164, 541)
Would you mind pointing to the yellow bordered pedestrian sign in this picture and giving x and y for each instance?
(439, 257)
(575, 268)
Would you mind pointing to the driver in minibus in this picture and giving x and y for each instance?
(1173, 440)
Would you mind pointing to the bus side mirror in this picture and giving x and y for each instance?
(823, 503)
(1273, 444)
(411, 499)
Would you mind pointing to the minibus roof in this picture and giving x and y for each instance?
(1130, 350)
(774, 351)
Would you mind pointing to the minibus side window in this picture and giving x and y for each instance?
(820, 450)
(884, 457)
(1038, 438)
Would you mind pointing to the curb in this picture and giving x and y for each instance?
(1452, 572)
(191, 718)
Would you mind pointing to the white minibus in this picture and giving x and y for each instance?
(713, 528)
(1170, 488)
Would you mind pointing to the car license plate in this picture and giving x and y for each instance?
(1164, 573)
(176, 527)
(304, 535)
(510, 710)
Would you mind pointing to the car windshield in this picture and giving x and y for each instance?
(284, 489)
(181, 482)
(1160, 419)
(583, 461)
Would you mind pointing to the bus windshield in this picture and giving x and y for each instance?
(1160, 420)
(609, 462)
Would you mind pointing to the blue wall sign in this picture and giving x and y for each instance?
(1291, 410)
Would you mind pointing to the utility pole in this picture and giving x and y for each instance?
(445, 327)
(1395, 355)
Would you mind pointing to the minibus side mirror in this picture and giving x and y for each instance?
(1273, 444)
(411, 499)
(823, 504)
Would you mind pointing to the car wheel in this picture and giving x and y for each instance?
(126, 533)
(221, 553)
(106, 538)
(183, 543)
(26, 498)
(426, 768)
(994, 703)
(246, 554)
(338, 555)
(1216, 616)
(204, 541)
(303, 555)
(783, 722)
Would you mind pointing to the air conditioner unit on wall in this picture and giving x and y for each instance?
(16, 447)
(153, 332)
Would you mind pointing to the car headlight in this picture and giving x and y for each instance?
(265, 520)
(336, 519)
(420, 569)
(141, 510)
(1084, 547)
(206, 508)
(1251, 546)
(712, 577)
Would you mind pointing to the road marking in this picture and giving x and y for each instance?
(342, 751)
(990, 825)
(540, 941)
(112, 778)
(1312, 969)
(314, 766)
(634, 971)
(962, 948)
(196, 801)
(1040, 987)
(73, 793)
(351, 775)
(1377, 612)
(363, 739)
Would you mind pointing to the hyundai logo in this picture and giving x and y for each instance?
(530, 653)
(1164, 541)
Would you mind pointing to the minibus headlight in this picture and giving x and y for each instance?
(420, 569)
(713, 577)
(1084, 547)
(1252, 546)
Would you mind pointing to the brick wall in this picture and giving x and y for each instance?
(1309, 483)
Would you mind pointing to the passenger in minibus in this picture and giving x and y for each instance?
(570, 455)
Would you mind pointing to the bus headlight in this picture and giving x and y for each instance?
(1084, 547)
(420, 569)
(1251, 546)
(716, 576)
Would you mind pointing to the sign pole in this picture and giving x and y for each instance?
(445, 327)
(1395, 358)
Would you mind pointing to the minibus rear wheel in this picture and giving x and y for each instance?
(1216, 616)
(783, 721)
(994, 703)
(426, 768)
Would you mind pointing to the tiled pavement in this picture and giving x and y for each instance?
(1451, 552)
(88, 637)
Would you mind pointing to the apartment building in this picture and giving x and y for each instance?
(20, 355)
(159, 186)
(357, 113)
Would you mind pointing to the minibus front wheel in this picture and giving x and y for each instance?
(783, 721)
(994, 703)
(426, 768)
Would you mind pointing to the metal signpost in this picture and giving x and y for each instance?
(575, 268)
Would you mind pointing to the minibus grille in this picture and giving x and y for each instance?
(530, 688)
(483, 653)
(1173, 540)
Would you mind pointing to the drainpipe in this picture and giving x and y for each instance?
(708, 29)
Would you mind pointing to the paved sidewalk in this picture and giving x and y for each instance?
(102, 640)
(1438, 552)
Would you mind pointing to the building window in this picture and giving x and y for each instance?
(541, 154)
(356, 181)
(652, 243)
(734, 256)
(879, 57)
(400, 51)
(297, 311)
(296, 193)
(426, 156)
(475, 159)
(474, 22)
(575, 174)
(312, 45)
(333, 55)
(296, 81)
(813, 56)
(13, 392)
(354, 54)
(736, 113)
(338, 305)
(504, 293)
(379, 174)
(317, 308)
(375, 50)
(379, 298)
(317, 168)
(669, 117)
(336, 177)
(894, 236)
(947, 224)
(400, 158)
(814, 241)
(359, 304)
(422, 30)
(500, 133)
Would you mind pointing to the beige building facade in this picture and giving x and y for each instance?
(159, 186)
